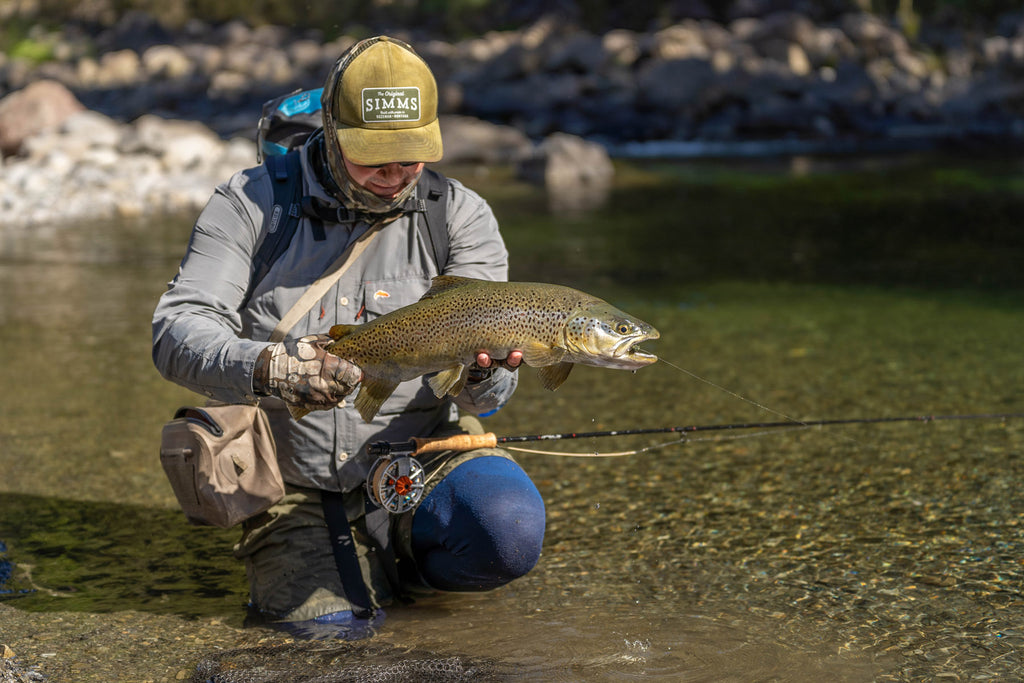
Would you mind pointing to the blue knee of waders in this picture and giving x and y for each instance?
(480, 527)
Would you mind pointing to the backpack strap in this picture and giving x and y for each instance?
(283, 220)
(433, 224)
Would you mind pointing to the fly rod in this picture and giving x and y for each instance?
(466, 442)
(396, 479)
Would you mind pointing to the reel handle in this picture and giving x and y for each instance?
(459, 442)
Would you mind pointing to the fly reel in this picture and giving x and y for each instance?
(395, 483)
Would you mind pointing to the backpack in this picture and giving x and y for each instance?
(285, 124)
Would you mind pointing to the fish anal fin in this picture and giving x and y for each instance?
(373, 391)
(552, 376)
(340, 331)
(443, 283)
(538, 354)
(449, 382)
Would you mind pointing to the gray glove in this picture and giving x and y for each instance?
(302, 374)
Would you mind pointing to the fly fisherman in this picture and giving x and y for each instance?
(480, 523)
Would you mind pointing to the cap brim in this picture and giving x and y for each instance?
(374, 147)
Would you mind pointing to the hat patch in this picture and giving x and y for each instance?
(382, 105)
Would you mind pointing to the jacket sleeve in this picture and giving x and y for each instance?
(196, 325)
(477, 250)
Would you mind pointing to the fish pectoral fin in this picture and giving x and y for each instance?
(373, 391)
(449, 382)
(340, 331)
(552, 376)
(538, 354)
(443, 283)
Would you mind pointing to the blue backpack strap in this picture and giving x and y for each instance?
(282, 221)
(433, 224)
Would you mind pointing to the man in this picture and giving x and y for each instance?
(480, 523)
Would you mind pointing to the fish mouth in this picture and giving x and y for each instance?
(629, 353)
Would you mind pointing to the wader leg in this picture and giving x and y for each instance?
(480, 523)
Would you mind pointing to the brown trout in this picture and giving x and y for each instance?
(554, 327)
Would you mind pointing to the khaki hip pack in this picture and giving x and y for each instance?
(222, 463)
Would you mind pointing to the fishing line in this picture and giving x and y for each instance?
(752, 402)
(645, 449)
(730, 392)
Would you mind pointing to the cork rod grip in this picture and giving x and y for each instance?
(459, 442)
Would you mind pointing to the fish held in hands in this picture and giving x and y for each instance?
(554, 326)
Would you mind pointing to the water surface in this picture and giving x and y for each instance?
(887, 552)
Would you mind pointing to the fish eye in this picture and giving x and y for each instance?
(623, 328)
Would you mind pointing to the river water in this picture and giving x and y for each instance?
(783, 291)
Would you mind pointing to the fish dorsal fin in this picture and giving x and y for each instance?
(442, 283)
(339, 331)
(538, 354)
(449, 382)
(552, 376)
(373, 391)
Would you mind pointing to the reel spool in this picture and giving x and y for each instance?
(395, 483)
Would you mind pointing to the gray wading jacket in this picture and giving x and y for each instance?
(203, 341)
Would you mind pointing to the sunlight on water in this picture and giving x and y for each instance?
(861, 552)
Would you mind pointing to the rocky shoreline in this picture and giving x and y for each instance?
(137, 120)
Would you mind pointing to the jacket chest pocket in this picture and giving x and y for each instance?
(384, 296)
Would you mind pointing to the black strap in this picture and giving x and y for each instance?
(378, 527)
(286, 175)
(345, 557)
(433, 193)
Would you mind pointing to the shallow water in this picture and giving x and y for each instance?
(881, 552)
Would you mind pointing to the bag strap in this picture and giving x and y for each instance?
(345, 557)
(378, 527)
(316, 291)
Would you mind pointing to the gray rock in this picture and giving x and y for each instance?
(167, 62)
(576, 173)
(469, 140)
(39, 106)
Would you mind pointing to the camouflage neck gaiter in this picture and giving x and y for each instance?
(365, 204)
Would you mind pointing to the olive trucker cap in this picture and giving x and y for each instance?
(380, 104)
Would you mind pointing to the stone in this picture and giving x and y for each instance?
(119, 68)
(167, 61)
(32, 110)
(470, 140)
(576, 173)
(562, 160)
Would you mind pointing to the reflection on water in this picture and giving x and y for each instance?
(887, 552)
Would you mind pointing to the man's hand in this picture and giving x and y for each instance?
(515, 358)
(484, 365)
(304, 375)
